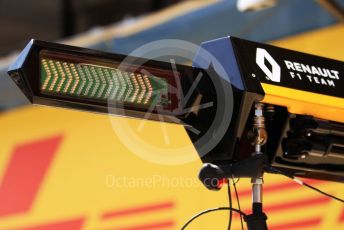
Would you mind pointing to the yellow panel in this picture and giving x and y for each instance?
(306, 103)
(94, 173)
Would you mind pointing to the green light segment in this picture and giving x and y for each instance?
(102, 83)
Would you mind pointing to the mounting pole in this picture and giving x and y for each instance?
(257, 220)
(252, 167)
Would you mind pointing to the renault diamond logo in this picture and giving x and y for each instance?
(275, 73)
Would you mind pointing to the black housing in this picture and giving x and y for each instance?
(25, 72)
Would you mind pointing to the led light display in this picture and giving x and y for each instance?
(101, 83)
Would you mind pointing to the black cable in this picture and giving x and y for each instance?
(237, 198)
(230, 204)
(272, 169)
(211, 210)
(238, 179)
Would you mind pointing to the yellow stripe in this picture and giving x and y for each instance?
(306, 103)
